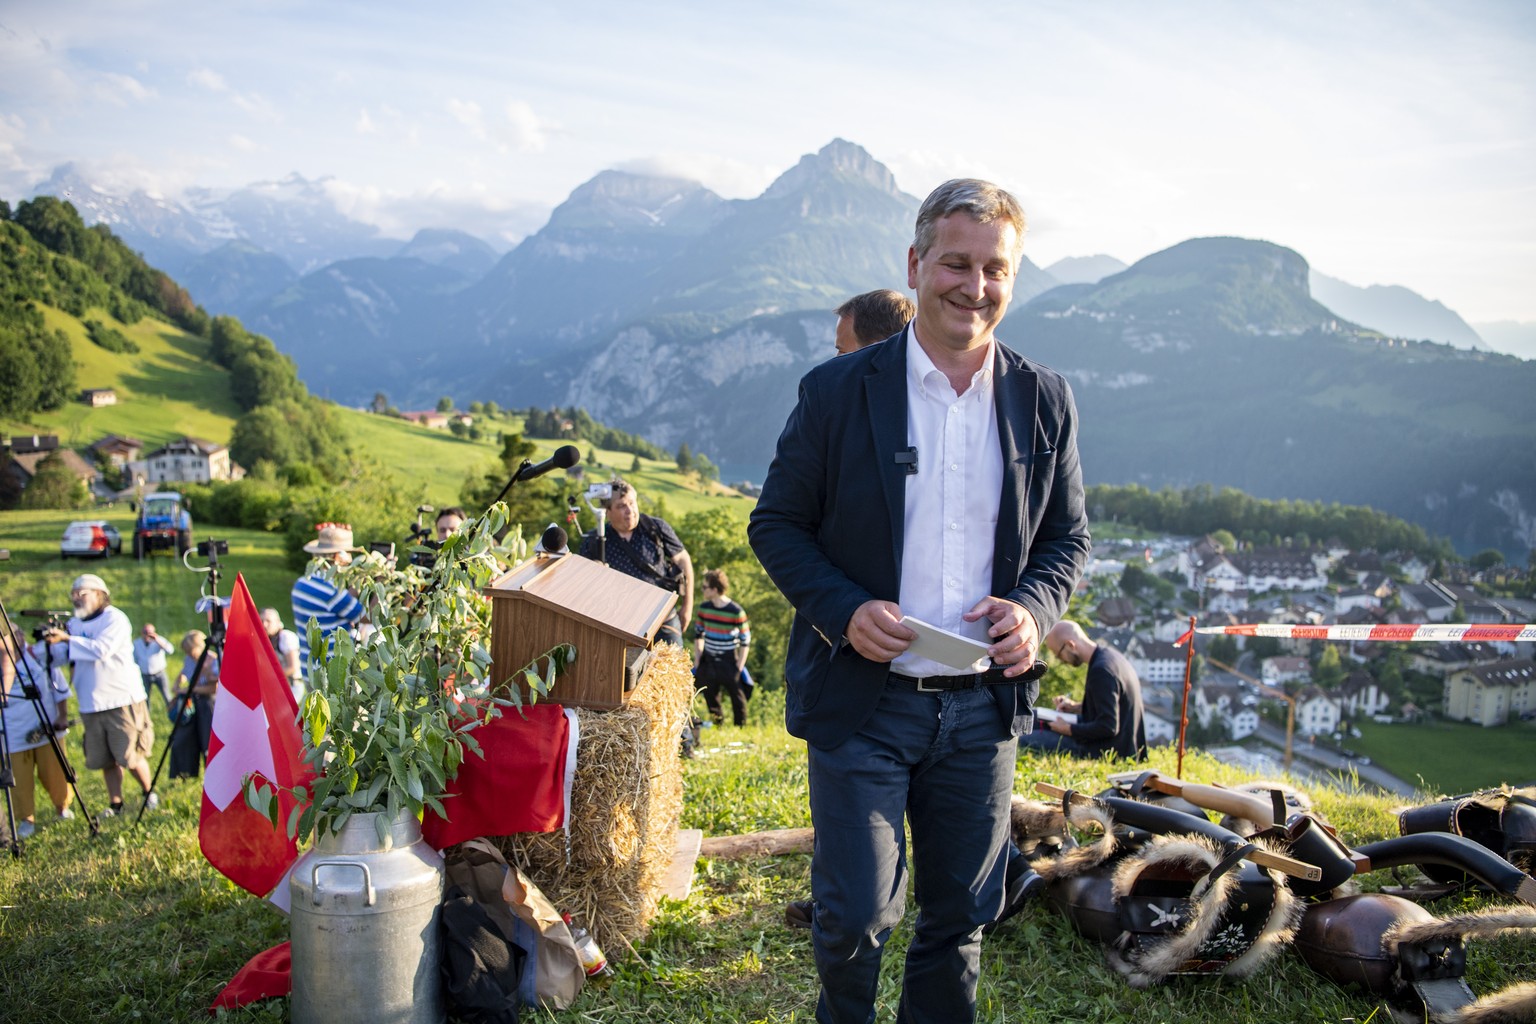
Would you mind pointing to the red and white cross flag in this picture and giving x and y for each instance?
(254, 731)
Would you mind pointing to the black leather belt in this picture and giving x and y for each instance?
(991, 677)
(937, 684)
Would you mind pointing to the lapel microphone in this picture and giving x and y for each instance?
(906, 458)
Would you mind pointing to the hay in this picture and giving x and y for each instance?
(626, 800)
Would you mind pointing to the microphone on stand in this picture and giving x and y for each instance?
(565, 457)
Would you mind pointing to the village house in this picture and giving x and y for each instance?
(1361, 697)
(1490, 694)
(1443, 659)
(1223, 703)
(185, 460)
(21, 467)
(98, 397)
(1429, 601)
(429, 418)
(1156, 662)
(1283, 669)
(116, 451)
(1317, 714)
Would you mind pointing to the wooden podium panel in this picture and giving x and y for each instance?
(609, 617)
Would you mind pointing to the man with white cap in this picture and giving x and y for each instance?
(114, 707)
(318, 599)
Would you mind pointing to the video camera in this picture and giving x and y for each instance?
(51, 620)
(420, 534)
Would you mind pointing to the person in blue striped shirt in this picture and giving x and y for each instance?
(321, 600)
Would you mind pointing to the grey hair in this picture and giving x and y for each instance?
(981, 200)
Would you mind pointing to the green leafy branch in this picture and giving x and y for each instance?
(390, 714)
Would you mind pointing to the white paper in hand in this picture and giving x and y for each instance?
(942, 646)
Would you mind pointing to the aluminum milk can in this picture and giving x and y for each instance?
(365, 927)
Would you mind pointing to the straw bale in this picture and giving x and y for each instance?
(626, 800)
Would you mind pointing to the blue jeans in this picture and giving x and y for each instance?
(156, 681)
(943, 763)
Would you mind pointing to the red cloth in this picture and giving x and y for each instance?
(518, 787)
(268, 975)
(253, 732)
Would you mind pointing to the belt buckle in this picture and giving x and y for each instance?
(924, 688)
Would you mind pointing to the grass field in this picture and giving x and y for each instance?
(166, 390)
(439, 462)
(1452, 757)
(159, 589)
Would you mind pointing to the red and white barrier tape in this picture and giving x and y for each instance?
(1442, 632)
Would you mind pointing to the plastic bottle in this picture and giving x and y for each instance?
(592, 958)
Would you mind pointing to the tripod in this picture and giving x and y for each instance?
(31, 692)
(215, 646)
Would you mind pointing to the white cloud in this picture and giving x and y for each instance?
(258, 107)
(243, 144)
(525, 130)
(120, 89)
(364, 124)
(467, 113)
(208, 79)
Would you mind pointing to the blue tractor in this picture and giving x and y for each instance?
(164, 524)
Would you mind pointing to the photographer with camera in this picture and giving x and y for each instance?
(25, 736)
(646, 548)
(114, 707)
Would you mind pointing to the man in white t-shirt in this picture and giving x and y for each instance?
(114, 708)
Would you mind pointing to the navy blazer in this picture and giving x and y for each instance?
(828, 525)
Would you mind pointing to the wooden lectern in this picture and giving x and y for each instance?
(609, 617)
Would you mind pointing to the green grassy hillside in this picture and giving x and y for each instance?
(168, 389)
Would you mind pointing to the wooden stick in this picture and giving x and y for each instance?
(758, 844)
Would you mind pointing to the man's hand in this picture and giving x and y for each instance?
(876, 632)
(1015, 636)
(1060, 726)
(1067, 704)
(56, 636)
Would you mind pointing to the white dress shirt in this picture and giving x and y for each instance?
(951, 503)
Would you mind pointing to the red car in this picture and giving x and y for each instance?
(91, 538)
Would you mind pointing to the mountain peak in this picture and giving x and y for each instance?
(645, 201)
(840, 160)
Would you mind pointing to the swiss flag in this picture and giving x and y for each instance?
(253, 732)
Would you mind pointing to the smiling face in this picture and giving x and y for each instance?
(964, 281)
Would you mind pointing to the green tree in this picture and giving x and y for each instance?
(634, 465)
(684, 458)
(1486, 559)
(55, 485)
(379, 404)
(445, 404)
(1328, 671)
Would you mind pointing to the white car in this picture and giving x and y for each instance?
(91, 538)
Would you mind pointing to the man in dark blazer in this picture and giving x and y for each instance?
(935, 475)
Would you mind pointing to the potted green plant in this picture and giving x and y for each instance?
(388, 720)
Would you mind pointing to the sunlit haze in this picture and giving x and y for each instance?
(1387, 142)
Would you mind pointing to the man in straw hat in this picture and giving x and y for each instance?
(320, 600)
(114, 706)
